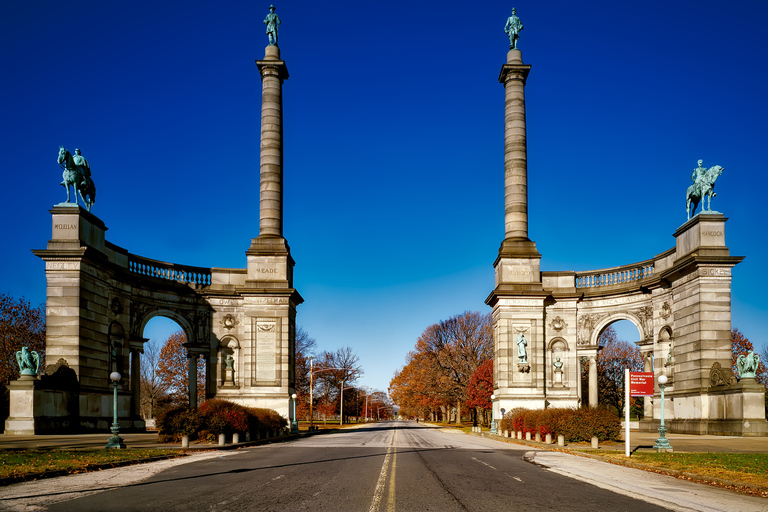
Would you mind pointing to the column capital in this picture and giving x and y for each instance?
(514, 72)
(270, 67)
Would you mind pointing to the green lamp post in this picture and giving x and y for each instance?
(115, 441)
(662, 443)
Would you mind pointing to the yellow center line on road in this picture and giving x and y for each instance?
(391, 500)
(381, 484)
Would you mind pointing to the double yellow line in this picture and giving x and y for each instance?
(387, 474)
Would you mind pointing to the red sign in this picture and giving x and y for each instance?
(640, 383)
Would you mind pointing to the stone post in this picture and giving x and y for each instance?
(273, 72)
(513, 76)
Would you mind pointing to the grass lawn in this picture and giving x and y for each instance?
(745, 468)
(15, 463)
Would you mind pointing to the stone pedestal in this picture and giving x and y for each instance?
(21, 420)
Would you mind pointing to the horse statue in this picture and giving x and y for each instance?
(77, 173)
(703, 187)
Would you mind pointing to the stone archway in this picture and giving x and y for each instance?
(100, 298)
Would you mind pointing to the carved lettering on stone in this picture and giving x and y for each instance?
(266, 351)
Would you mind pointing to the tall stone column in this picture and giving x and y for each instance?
(136, 349)
(273, 72)
(192, 362)
(513, 76)
(592, 381)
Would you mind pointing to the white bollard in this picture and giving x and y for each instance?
(595, 442)
(561, 440)
(236, 438)
(222, 439)
(185, 441)
(548, 439)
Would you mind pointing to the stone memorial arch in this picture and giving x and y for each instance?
(546, 324)
(241, 322)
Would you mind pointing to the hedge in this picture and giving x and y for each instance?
(215, 417)
(575, 424)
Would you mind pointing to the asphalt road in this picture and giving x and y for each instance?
(391, 466)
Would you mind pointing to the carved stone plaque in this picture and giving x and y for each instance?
(266, 351)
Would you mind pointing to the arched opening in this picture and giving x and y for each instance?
(165, 368)
(603, 376)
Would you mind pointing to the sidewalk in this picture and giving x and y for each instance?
(97, 441)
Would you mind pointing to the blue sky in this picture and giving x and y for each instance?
(393, 143)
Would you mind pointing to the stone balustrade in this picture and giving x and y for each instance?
(171, 271)
(626, 274)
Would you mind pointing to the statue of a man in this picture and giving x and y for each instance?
(513, 28)
(79, 160)
(698, 173)
(521, 352)
(272, 21)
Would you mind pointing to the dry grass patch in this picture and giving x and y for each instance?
(25, 462)
(745, 468)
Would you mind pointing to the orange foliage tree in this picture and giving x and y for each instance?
(480, 390)
(21, 325)
(173, 370)
(437, 373)
(616, 355)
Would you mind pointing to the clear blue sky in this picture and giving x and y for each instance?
(393, 143)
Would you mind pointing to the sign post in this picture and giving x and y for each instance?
(635, 384)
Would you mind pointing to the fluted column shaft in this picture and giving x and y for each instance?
(273, 72)
(513, 76)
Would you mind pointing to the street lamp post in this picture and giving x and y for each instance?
(295, 422)
(662, 443)
(493, 415)
(115, 441)
(311, 394)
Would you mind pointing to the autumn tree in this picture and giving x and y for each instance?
(458, 346)
(613, 359)
(173, 370)
(335, 370)
(21, 325)
(421, 388)
(740, 345)
(154, 390)
(480, 390)
(305, 349)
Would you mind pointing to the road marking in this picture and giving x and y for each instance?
(391, 500)
(484, 463)
(381, 483)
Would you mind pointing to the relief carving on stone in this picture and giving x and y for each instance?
(138, 311)
(666, 311)
(558, 324)
(644, 317)
(586, 325)
(229, 321)
(719, 377)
